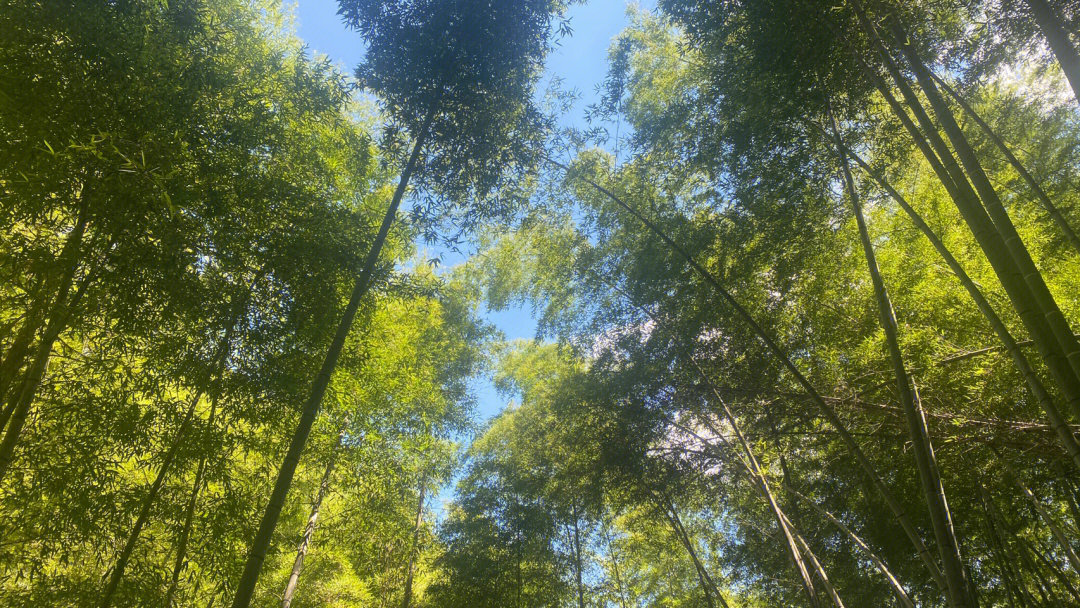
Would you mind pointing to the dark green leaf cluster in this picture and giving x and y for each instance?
(460, 74)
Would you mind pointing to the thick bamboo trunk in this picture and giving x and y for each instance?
(261, 542)
(933, 494)
(1056, 419)
(309, 531)
(1044, 300)
(1044, 198)
(975, 216)
(406, 601)
(148, 502)
(1058, 39)
(826, 410)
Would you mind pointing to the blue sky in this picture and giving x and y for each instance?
(580, 60)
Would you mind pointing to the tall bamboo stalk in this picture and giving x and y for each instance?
(944, 165)
(933, 493)
(406, 601)
(827, 411)
(261, 542)
(1058, 39)
(189, 518)
(751, 465)
(1057, 420)
(1044, 198)
(1059, 326)
(830, 590)
(22, 397)
(894, 584)
(708, 586)
(309, 527)
(119, 566)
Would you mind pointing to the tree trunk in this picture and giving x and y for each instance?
(1044, 198)
(994, 517)
(1044, 300)
(1057, 420)
(309, 529)
(36, 315)
(1013, 586)
(221, 358)
(749, 463)
(753, 468)
(14, 360)
(818, 568)
(1058, 39)
(577, 559)
(708, 586)
(1055, 529)
(148, 502)
(406, 602)
(189, 519)
(1058, 573)
(519, 581)
(792, 536)
(1043, 586)
(22, 397)
(948, 547)
(990, 240)
(894, 584)
(261, 542)
(1074, 509)
(615, 566)
(827, 411)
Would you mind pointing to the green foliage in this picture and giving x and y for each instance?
(727, 103)
(460, 74)
(187, 199)
(222, 190)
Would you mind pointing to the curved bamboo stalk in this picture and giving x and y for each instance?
(827, 411)
(894, 584)
(1009, 344)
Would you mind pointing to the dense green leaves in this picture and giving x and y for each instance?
(830, 280)
(186, 196)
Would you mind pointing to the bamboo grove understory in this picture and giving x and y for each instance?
(805, 276)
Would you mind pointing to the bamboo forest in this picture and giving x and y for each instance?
(540, 303)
